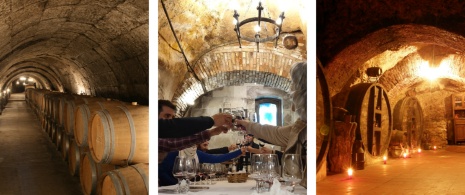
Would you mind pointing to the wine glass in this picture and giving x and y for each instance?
(271, 168)
(204, 169)
(211, 173)
(256, 167)
(292, 169)
(191, 169)
(218, 171)
(179, 173)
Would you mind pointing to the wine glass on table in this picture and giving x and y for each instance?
(179, 173)
(204, 170)
(271, 168)
(211, 173)
(256, 168)
(292, 170)
(218, 171)
(191, 170)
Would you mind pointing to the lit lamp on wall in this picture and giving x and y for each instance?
(258, 37)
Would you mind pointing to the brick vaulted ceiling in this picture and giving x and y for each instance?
(393, 35)
(97, 47)
(205, 32)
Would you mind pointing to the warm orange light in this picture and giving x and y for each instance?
(434, 147)
(405, 154)
(419, 150)
(350, 171)
(444, 70)
(384, 159)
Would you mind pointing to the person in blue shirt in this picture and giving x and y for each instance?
(165, 168)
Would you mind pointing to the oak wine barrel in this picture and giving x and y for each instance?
(75, 155)
(323, 118)
(129, 180)
(83, 114)
(71, 105)
(63, 108)
(120, 135)
(57, 137)
(91, 173)
(64, 145)
(408, 117)
(370, 104)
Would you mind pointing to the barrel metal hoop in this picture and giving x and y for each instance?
(133, 133)
(143, 175)
(77, 157)
(108, 130)
(123, 182)
(116, 181)
(101, 105)
(95, 174)
(85, 117)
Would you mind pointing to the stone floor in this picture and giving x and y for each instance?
(432, 172)
(29, 161)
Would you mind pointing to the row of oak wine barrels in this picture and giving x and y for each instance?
(108, 138)
(116, 132)
(3, 100)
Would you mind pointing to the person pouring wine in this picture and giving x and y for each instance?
(292, 137)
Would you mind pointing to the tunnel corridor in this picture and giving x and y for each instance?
(29, 161)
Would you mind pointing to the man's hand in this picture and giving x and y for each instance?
(232, 147)
(243, 123)
(218, 130)
(266, 150)
(243, 150)
(222, 119)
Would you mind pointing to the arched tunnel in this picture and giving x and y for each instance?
(97, 49)
(416, 49)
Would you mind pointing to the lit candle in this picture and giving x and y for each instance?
(434, 147)
(384, 159)
(419, 150)
(350, 172)
(405, 154)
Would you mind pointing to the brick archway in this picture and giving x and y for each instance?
(231, 65)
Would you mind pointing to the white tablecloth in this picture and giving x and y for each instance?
(225, 188)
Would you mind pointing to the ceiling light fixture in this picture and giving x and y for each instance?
(259, 36)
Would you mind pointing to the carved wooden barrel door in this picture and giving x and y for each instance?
(408, 117)
(370, 105)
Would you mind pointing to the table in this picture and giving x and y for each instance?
(225, 188)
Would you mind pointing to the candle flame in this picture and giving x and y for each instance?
(350, 171)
